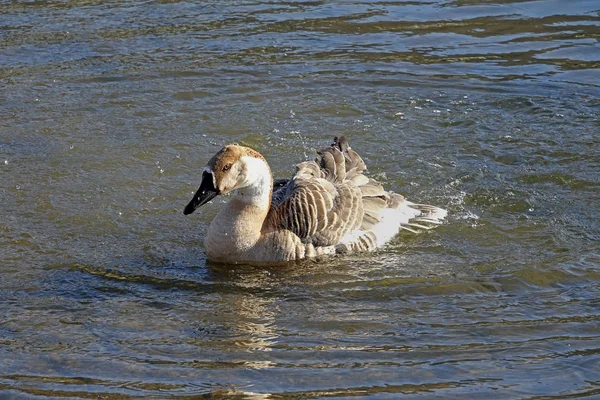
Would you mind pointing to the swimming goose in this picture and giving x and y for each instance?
(329, 206)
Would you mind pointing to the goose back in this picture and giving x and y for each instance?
(329, 198)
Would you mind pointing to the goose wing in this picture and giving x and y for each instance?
(316, 210)
(328, 197)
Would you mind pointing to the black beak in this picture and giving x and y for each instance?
(205, 193)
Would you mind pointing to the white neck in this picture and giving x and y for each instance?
(257, 188)
(237, 227)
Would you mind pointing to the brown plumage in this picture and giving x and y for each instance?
(319, 204)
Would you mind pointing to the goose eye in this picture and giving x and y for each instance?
(226, 167)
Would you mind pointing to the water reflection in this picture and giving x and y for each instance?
(254, 311)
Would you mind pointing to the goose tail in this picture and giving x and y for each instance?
(407, 216)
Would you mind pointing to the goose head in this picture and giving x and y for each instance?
(234, 167)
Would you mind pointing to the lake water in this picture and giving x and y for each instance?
(110, 109)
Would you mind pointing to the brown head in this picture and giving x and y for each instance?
(227, 170)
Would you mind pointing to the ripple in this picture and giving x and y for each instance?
(489, 110)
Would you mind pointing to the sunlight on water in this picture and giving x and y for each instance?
(110, 110)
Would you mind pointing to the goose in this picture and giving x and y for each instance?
(329, 206)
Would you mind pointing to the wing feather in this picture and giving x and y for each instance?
(330, 197)
(316, 210)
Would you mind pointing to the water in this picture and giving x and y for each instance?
(109, 111)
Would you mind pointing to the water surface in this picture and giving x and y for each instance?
(110, 109)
